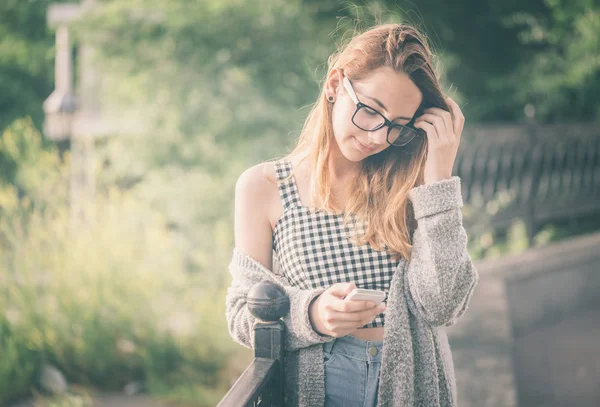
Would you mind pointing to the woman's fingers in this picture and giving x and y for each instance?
(435, 120)
(343, 323)
(439, 124)
(341, 305)
(444, 115)
(355, 316)
(429, 128)
(458, 119)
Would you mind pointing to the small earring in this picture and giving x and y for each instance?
(330, 98)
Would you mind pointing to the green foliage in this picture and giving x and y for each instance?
(563, 77)
(107, 302)
(508, 54)
(26, 59)
(210, 77)
(36, 170)
(67, 400)
(19, 363)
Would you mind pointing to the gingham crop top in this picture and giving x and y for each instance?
(314, 250)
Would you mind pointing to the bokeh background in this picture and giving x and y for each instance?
(116, 201)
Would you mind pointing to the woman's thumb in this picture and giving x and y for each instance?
(342, 289)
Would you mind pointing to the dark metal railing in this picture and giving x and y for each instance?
(538, 173)
(263, 382)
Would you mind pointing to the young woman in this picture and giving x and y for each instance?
(335, 211)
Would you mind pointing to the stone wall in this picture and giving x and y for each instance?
(530, 336)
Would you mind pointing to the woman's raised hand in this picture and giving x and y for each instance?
(443, 130)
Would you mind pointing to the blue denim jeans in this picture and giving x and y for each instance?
(352, 368)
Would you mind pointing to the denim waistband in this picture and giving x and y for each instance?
(355, 348)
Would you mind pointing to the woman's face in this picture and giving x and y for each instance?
(391, 93)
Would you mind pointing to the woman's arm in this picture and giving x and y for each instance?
(252, 261)
(440, 277)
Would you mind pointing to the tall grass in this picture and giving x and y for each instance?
(107, 302)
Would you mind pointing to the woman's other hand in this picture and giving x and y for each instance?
(330, 314)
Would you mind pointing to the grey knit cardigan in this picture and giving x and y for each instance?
(427, 294)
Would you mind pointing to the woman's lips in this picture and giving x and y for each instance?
(362, 147)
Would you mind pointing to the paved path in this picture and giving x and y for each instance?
(559, 365)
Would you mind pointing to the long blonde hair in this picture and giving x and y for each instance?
(378, 202)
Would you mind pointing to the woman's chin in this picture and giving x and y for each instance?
(355, 156)
(350, 151)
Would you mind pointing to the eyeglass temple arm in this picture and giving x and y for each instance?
(351, 92)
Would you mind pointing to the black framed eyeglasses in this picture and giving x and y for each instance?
(368, 119)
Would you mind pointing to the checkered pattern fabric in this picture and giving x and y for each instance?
(314, 250)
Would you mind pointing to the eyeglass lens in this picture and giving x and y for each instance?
(368, 119)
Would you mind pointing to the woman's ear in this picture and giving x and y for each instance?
(332, 84)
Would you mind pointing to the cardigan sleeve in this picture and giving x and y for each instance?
(246, 272)
(440, 278)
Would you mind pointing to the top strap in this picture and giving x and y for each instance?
(288, 190)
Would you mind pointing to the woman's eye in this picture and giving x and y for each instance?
(371, 112)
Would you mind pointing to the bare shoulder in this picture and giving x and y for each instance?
(256, 199)
(257, 187)
(258, 179)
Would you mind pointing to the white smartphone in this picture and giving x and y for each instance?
(365, 294)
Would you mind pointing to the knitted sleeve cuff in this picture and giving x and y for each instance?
(439, 196)
(299, 316)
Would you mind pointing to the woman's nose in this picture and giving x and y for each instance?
(378, 136)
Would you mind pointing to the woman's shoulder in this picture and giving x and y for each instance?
(261, 176)
(255, 196)
(257, 190)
